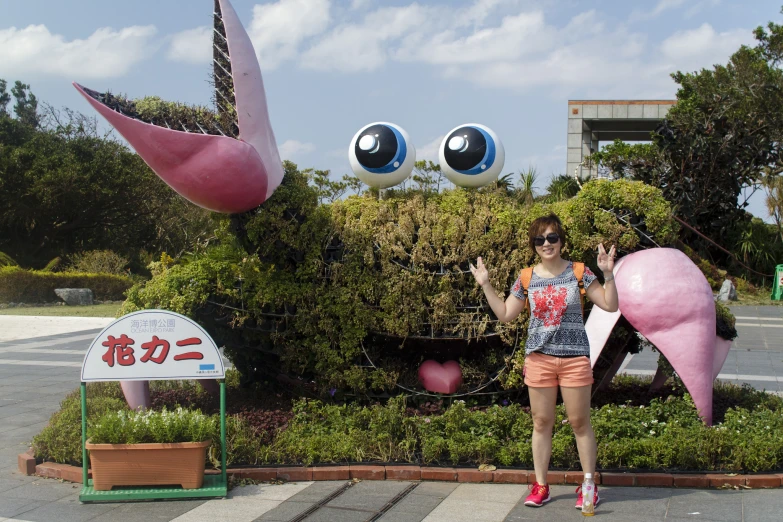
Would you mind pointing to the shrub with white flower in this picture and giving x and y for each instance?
(137, 427)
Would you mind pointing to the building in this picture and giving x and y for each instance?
(593, 121)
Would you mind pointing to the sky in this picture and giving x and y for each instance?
(333, 66)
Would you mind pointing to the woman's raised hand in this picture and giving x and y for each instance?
(479, 272)
(606, 261)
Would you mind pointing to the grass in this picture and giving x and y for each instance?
(759, 299)
(101, 310)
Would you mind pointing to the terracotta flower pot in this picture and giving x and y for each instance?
(155, 464)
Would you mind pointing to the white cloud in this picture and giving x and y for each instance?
(704, 43)
(192, 46)
(293, 148)
(359, 4)
(660, 7)
(278, 29)
(104, 54)
(360, 47)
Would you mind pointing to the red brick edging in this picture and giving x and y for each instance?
(28, 466)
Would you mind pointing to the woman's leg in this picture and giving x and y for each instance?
(577, 404)
(542, 407)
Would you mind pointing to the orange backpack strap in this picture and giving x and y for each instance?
(579, 272)
(525, 276)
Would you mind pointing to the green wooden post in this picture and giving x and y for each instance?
(84, 434)
(223, 431)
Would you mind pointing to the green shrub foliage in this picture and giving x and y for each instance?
(32, 286)
(660, 434)
(357, 293)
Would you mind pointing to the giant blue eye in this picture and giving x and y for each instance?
(471, 155)
(382, 155)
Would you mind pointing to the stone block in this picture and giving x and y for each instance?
(555, 477)
(294, 474)
(718, 480)
(604, 111)
(262, 474)
(574, 155)
(762, 481)
(368, 472)
(331, 473)
(574, 141)
(650, 112)
(654, 479)
(619, 111)
(442, 474)
(26, 463)
(473, 475)
(618, 479)
(691, 481)
(75, 296)
(512, 476)
(589, 112)
(635, 111)
(575, 111)
(575, 125)
(663, 110)
(403, 472)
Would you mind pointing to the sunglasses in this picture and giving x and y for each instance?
(552, 238)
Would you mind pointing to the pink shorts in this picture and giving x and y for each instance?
(547, 371)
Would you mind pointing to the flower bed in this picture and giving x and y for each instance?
(656, 432)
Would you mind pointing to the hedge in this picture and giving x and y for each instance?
(31, 286)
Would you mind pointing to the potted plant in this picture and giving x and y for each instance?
(150, 448)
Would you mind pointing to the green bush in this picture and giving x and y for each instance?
(31, 286)
(317, 290)
(6, 260)
(61, 440)
(665, 434)
(99, 262)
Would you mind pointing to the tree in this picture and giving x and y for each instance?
(5, 98)
(26, 106)
(562, 187)
(773, 185)
(66, 189)
(724, 135)
(527, 185)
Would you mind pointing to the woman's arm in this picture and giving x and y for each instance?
(605, 297)
(506, 310)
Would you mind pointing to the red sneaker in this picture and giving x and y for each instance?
(538, 496)
(579, 497)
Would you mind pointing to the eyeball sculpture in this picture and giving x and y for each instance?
(382, 155)
(471, 155)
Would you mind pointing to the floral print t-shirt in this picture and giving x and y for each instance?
(556, 324)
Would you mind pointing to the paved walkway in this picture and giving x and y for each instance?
(38, 370)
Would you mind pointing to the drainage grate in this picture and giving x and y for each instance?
(390, 504)
(300, 517)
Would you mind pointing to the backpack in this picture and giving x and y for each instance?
(526, 275)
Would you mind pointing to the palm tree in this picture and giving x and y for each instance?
(527, 189)
(562, 187)
(505, 183)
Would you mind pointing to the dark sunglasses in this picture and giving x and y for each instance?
(552, 238)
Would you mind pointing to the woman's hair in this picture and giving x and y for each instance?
(538, 226)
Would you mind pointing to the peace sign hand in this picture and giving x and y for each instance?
(479, 272)
(606, 261)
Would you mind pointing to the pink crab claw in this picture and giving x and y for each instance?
(667, 298)
(215, 172)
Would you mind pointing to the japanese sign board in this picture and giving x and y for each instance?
(152, 345)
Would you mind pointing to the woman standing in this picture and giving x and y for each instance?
(557, 353)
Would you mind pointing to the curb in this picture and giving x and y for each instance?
(27, 466)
